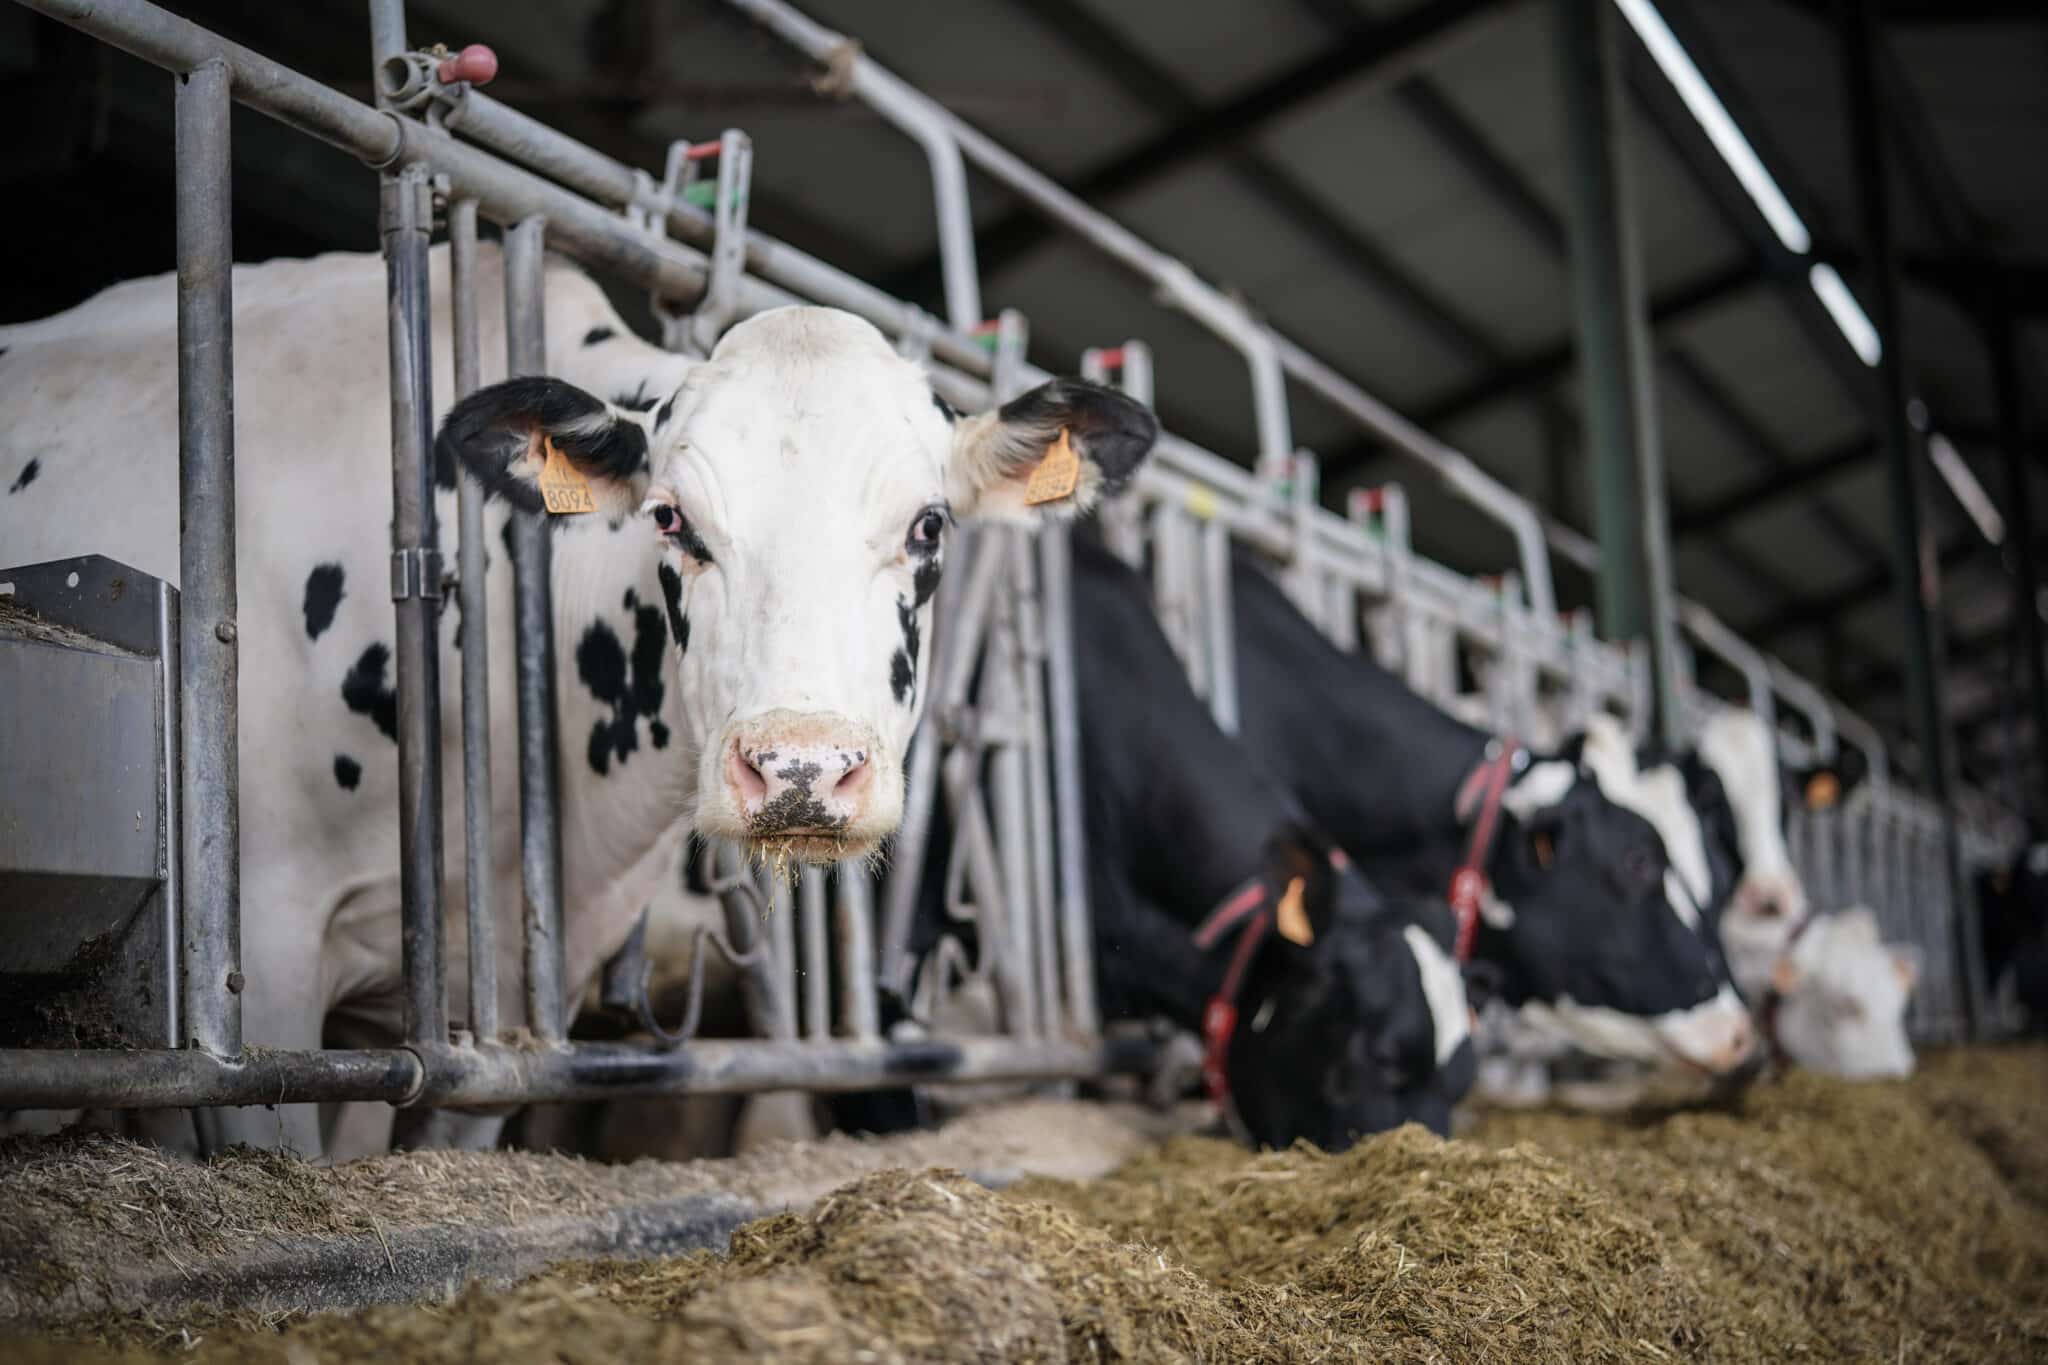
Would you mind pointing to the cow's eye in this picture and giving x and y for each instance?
(676, 527)
(926, 530)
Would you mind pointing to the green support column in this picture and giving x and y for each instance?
(1630, 517)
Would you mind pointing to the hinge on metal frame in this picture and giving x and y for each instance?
(416, 573)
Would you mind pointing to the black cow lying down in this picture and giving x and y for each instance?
(1574, 910)
(1328, 1012)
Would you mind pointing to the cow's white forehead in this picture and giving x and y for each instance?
(802, 411)
(1658, 795)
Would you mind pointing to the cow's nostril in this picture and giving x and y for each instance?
(854, 780)
(746, 777)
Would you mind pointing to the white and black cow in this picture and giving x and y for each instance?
(1584, 917)
(2012, 906)
(740, 627)
(1830, 995)
(1346, 1015)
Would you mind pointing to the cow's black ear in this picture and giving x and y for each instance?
(1049, 453)
(1303, 885)
(509, 435)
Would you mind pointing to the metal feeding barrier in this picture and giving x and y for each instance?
(999, 759)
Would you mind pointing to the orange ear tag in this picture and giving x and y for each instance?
(562, 486)
(1056, 476)
(1292, 919)
(1822, 791)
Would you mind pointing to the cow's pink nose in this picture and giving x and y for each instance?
(1733, 1050)
(784, 785)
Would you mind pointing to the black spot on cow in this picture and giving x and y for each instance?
(903, 664)
(26, 477)
(347, 772)
(323, 595)
(946, 410)
(672, 594)
(639, 400)
(662, 414)
(598, 334)
(901, 677)
(924, 579)
(631, 692)
(364, 692)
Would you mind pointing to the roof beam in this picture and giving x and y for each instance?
(1861, 591)
(1554, 362)
(1715, 514)
(1941, 11)
(1381, 53)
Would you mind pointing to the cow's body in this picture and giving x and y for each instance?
(1587, 920)
(801, 398)
(93, 393)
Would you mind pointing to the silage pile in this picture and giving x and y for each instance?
(1826, 1221)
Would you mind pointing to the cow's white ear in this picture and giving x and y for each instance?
(1011, 464)
(1906, 963)
(539, 442)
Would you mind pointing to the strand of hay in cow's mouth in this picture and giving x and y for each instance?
(1824, 1221)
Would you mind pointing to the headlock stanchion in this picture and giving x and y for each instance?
(811, 959)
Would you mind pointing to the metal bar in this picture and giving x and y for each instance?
(387, 41)
(817, 954)
(854, 916)
(210, 916)
(540, 837)
(1631, 522)
(1037, 755)
(2019, 514)
(477, 843)
(408, 219)
(107, 1078)
(1002, 697)
(1919, 596)
(1219, 619)
(1063, 708)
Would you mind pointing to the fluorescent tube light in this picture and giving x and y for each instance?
(1956, 473)
(1672, 58)
(1847, 313)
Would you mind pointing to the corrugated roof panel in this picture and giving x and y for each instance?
(1948, 354)
(1215, 49)
(1702, 459)
(1508, 441)
(1060, 114)
(1205, 216)
(1983, 86)
(1786, 538)
(1751, 344)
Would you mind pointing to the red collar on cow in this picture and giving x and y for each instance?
(1478, 804)
(1250, 910)
(1773, 997)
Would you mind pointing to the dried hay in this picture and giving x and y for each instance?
(1823, 1221)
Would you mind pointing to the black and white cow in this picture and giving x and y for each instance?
(2012, 905)
(1829, 992)
(1362, 1026)
(1583, 918)
(1346, 1015)
(741, 625)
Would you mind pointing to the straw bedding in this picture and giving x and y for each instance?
(1823, 1221)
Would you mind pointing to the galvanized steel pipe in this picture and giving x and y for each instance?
(209, 915)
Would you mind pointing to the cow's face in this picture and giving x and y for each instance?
(1842, 992)
(1602, 930)
(1359, 1029)
(798, 490)
(1737, 746)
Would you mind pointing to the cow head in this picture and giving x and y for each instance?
(797, 489)
(1840, 995)
(1603, 927)
(1353, 1020)
(1737, 746)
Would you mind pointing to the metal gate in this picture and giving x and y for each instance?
(1003, 761)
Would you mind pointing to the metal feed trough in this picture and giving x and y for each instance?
(159, 906)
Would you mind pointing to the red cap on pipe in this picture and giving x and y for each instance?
(476, 64)
(1111, 358)
(701, 151)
